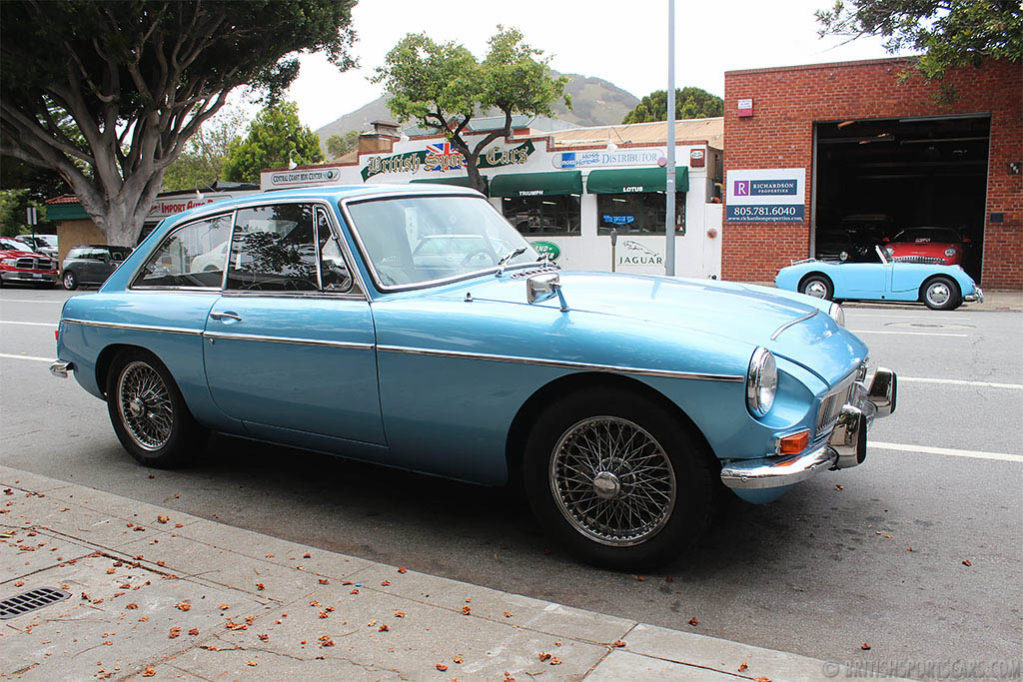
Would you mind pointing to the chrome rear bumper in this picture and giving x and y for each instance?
(61, 368)
(846, 446)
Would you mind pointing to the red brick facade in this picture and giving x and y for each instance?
(787, 102)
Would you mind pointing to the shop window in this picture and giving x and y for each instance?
(543, 215)
(638, 213)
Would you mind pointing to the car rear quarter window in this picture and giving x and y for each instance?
(192, 256)
(274, 249)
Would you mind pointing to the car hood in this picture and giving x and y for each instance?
(743, 312)
(10, 253)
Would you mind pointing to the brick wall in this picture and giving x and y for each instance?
(787, 102)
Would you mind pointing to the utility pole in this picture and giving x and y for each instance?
(669, 188)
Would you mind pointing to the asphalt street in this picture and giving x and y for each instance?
(871, 555)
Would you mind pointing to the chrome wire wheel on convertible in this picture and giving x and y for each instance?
(145, 406)
(612, 481)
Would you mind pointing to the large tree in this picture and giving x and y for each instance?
(202, 162)
(690, 102)
(949, 33)
(276, 138)
(136, 79)
(442, 86)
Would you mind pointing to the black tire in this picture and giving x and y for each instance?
(941, 293)
(70, 280)
(817, 286)
(692, 469)
(178, 437)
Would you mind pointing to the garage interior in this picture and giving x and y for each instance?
(875, 177)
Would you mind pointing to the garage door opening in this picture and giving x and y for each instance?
(879, 181)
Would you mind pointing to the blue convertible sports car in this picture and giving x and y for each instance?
(940, 287)
(415, 328)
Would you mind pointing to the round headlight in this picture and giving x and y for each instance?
(949, 252)
(837, 314)
(761, 382)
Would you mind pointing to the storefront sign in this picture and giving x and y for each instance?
(633, 253)
(178, 204)
(441, 157)
(768, 195)
(313, 176)
(609, 159)
(549, 249)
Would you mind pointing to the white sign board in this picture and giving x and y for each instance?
(766, 195)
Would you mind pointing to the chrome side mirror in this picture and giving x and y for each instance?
(540, 288)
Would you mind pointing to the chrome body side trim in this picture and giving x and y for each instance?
(288, 339)
(133, 327)
(563, 364)
(804, 318)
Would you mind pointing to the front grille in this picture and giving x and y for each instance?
(926, 260)
(33, 264)
(832, 403)
(27, 602)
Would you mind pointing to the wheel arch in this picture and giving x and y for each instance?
(927, 282)
(106, 358)
(518, 432)
(816, 273)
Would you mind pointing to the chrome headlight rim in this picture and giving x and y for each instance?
(761, 382)
(836, 313)
(949, 252)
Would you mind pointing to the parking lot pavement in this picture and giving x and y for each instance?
(870, 555)
(154, 592)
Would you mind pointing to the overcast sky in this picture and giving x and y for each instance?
(622, 42)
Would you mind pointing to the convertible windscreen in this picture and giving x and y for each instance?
(420, 239)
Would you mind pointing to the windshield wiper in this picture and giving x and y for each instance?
(507, 257)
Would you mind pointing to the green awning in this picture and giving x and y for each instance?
(537, 184)
(622, 180)
(459, 181)
(74, 211)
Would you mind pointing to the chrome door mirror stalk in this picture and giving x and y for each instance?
(540, 288)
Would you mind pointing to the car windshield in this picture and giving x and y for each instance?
(922, 235)
(412, 240)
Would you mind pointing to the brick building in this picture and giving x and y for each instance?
(869, 155)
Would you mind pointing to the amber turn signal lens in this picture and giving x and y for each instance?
(793, 443)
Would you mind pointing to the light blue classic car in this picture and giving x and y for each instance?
(940, 287)
(415, 328)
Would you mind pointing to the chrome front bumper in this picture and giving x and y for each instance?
(61, 368)
(977, 295)
(846, 446)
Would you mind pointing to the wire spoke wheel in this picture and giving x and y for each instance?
(612, 481)
(145, 407)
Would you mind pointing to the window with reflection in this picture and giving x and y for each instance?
(274, 249)
(638, 213)
(193, 256)
(334, 272)
(543, 215)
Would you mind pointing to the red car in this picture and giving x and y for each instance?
(936, 245)
(20, 265)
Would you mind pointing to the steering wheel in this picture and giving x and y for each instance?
(470, 257)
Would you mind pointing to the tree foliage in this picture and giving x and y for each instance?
(690, 102)
(136, 79)
(442, 86)
(13, 218)
(339, 145)
(949, 33)
(276, 138)
(202, 162)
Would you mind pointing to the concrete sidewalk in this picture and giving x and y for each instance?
(160, 594)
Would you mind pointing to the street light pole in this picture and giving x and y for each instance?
(669, 188)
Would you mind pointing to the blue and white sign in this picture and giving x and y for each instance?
(605, 158)
(766, 195)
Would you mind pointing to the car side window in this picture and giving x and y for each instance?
(334, 272)
(188, 258)
(274, 249)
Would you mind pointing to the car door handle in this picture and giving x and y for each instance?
(222, 316)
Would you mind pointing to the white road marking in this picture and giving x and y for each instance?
(926, 449)
(25, 357)
(872, 331)
(960, 382)
(33, 324)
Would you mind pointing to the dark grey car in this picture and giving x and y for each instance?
(91, 264)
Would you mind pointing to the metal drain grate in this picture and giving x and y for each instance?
(30, 601)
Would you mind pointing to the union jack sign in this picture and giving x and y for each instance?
(441, 157)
